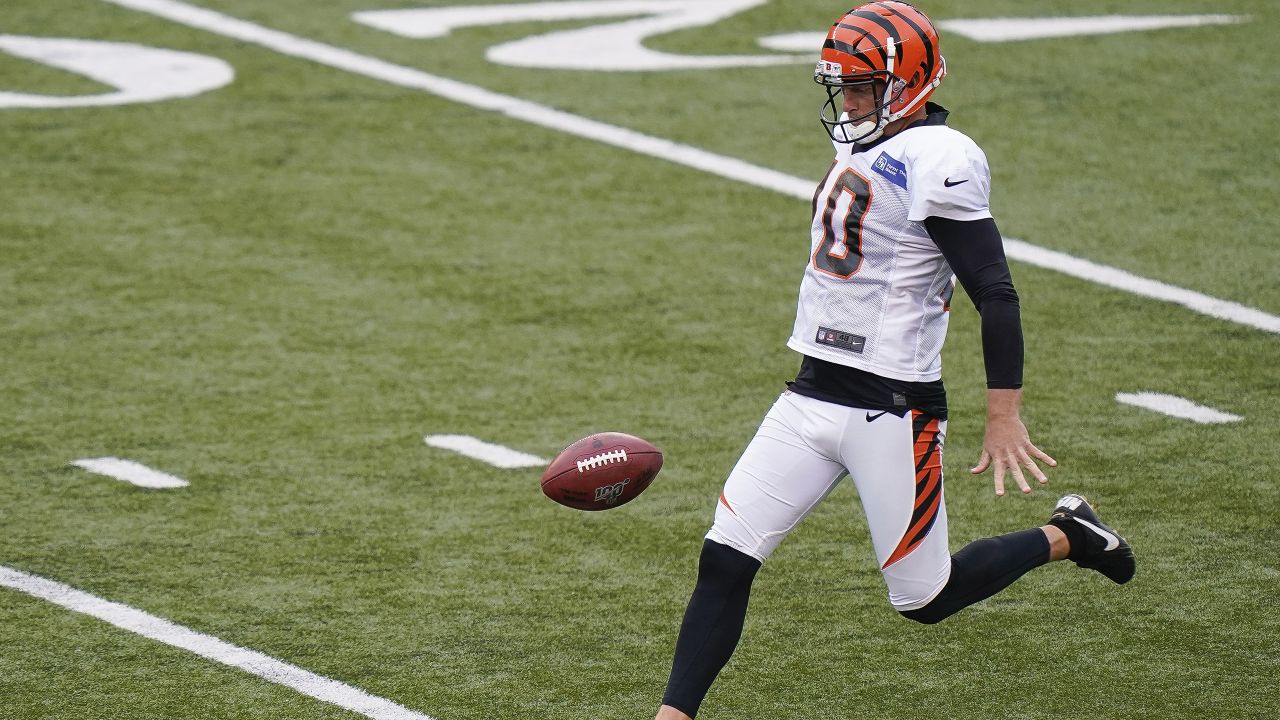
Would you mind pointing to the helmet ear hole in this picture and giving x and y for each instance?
(898, 88)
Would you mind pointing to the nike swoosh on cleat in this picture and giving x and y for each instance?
(1113, 542)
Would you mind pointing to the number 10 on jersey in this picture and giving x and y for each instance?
(842, 259)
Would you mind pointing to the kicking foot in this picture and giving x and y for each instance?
(1100, 547)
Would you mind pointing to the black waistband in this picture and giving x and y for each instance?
(843, 385)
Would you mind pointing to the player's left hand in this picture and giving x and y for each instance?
(1008, 446)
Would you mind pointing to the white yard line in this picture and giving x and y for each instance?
(130, 472)
(1178, 407)
(678, 153)
(999, 30)
(994, 30)
(471, 95)
(1145, 287)
(476, 449)
(207, 646)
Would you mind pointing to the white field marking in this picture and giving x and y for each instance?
(1127, 281)
(795, 42)
(994, 30)
(207, 646)
(474, 96)
(1011, 29)
(678, 153)
(1174, 406)
(476, 449)
(610, 47)
(131, 472)
(139, 74)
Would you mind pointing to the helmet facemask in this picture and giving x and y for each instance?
(886, 90)
(868, 126)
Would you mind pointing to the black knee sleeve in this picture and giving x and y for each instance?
(712, 624)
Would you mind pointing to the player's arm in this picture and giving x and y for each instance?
(975, 253)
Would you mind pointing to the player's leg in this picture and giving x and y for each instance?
(984, 567)
(900, 484)
(711, 627)
(896, 464)
(781, 476)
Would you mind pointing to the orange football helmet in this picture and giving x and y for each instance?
(890, 45)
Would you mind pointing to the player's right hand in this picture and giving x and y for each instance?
(1007, 444)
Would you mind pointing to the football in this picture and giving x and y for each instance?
(601, 471)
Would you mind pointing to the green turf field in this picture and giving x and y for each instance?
(275, 289)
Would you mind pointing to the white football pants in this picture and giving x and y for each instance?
(804, 447)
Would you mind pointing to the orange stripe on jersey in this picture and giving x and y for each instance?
(928, 456)
(724, 501)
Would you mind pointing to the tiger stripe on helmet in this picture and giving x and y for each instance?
(891, 43)
(863, 35)
(842, 46)
(853, 51)
(920, 33)
(885, 25)
(876, 18)
(884, 54)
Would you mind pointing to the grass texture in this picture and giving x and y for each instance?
(275, 289)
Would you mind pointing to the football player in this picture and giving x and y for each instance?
(903, 209)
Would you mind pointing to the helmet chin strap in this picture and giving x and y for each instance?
(866, 131)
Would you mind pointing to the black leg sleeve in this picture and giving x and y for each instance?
(983, 568)
(712, 624)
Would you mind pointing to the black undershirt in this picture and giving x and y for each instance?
(844, 385)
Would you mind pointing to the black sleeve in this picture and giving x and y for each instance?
(975, 253)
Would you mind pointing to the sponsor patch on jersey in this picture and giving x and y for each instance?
(892, 169)
(841, 339)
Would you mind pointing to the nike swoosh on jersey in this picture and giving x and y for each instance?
(949, 183)
(1113, 542)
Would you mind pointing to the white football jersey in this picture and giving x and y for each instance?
(876, 290)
